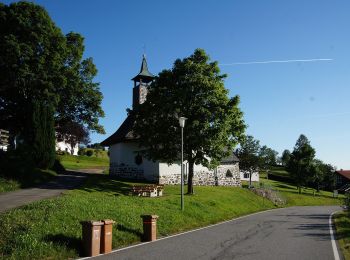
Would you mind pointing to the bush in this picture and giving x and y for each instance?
(82, 151)
(89, 152)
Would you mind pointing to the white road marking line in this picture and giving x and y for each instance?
(331, 231)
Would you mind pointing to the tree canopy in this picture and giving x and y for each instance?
(285, 157)
(248, 154)
(193, 88)
(268, 157)
(301, 160)
(38, 62)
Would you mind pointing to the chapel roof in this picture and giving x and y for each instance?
(230, 159)
(124, 133)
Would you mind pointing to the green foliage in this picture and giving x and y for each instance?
(301, 161)
(342, 223)
(40, 135)
(89, 153)
(38, 62)
(95, 152)
(193, 88)
(51, 229)
(8, 184)
(285, 157)
(268, 157)
(248, 154)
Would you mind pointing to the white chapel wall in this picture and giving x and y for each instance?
(123, 164)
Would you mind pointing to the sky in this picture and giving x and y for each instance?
(306, 92)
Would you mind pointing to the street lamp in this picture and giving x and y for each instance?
(182, 125)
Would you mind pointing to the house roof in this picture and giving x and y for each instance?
(144, 74)
(124, 133)
(345, 174)
(230, 159)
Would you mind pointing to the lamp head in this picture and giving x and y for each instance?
(182, 121)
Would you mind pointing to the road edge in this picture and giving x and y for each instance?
(332, 233)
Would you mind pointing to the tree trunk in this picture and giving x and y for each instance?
(299, 188)
(190, 178)
(250, 179)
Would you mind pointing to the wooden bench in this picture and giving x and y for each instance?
(151, 190)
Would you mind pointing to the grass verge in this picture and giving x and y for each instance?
(31, 178)
(83, 162)
(342, 223)
(8, 184)
(308, 197)
(51, 229)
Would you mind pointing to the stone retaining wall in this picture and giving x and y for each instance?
(218, 177)
(224, 175)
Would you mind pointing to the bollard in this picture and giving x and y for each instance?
(91, 237)
(106, 237)
(149, 227)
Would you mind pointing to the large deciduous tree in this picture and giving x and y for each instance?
(38, 62)
(248, 154)
(193, 88)
(301, 160)
(268, 158)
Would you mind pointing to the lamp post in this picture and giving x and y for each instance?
(182, 125)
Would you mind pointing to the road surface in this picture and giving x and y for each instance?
(59, 184)
(288, 233)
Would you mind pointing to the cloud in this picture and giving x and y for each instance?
(272, 61)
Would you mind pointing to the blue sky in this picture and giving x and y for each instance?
(280, 100)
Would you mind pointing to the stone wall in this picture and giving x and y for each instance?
(218, 177)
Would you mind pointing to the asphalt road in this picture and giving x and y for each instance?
(289, 233)
(62, 182)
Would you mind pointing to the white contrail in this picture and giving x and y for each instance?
(272, 61)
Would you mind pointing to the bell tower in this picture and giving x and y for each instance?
(141, 84)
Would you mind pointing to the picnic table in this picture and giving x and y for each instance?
(151, 190)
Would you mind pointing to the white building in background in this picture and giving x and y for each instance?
(4, 138)
(245, 176)
(126, 162)
(66, 147)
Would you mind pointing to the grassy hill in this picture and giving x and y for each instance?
(51, 229)
(83, 161)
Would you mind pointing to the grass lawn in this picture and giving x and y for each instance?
(51, 229)
(342, 223)
(309, 197)
(83, 161)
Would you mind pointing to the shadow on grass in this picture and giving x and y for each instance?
(72, 243)
(123, 228)
(106, 183)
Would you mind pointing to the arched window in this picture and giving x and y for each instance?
(229, 173)
(138, 159)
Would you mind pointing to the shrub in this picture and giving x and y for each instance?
(82, 151)
(89, 152)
